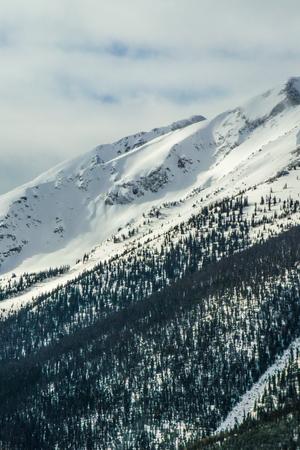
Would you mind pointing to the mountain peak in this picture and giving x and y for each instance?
(274, 101)
(292, 90)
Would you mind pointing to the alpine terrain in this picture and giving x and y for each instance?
(149, 289)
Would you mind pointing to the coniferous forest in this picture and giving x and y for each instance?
(151, 350)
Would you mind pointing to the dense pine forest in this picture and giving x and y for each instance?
(152, 350)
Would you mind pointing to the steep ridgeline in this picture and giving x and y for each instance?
(79, 205)
(76, 205)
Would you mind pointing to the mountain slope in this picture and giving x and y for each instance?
(69, 203)
(80, 204)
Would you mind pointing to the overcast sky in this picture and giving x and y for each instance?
(77, 73)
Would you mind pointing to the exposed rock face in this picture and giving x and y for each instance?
(293, 90)
(128, 192)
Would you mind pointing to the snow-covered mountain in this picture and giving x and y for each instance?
(135, 276)
(81, 203)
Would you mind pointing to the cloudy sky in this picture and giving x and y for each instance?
(76, 73)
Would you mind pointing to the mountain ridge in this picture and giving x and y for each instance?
(114, 184)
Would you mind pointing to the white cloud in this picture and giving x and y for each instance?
(75, 73)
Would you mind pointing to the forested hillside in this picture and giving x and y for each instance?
(162, 371)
